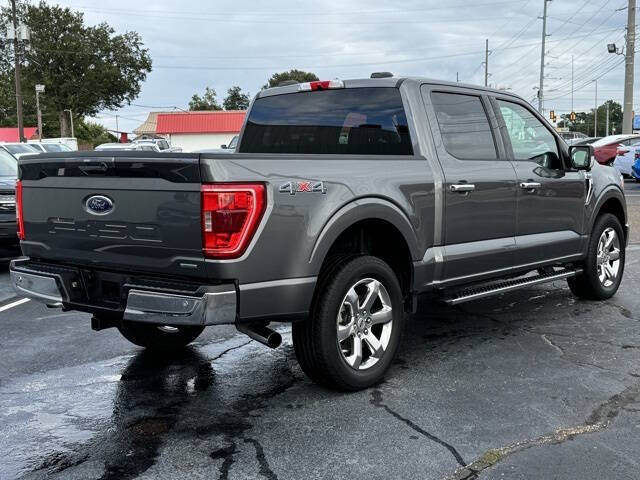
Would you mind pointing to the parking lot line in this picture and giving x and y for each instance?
(13, 304)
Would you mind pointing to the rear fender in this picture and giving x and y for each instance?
(370, 208)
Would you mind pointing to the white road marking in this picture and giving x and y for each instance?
(14, 304)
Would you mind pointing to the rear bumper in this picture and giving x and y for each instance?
(210, 305)
(162, 301)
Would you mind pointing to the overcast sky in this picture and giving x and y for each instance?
(198, 43)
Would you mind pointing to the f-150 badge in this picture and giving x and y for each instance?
(303, 187)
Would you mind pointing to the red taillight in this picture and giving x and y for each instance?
(19, 214)
(230, 215)
(320, 85)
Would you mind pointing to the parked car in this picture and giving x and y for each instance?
(626, 156)
(572, 136)
(159, 144)
(343, 202)
(8, 174)
(232, 144)
(19, 149)
(50, 147)
(141, 147)
(69, 142)
(606, 147)
(583, 141)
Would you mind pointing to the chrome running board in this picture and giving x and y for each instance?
(466, 294)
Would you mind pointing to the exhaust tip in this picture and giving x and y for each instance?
(262, 334)
(274, 340)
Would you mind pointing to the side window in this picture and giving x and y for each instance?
(464, 126)
(530, 138)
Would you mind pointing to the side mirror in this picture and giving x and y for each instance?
(581, 157)
(223, 147)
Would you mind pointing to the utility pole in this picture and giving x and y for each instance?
(39, 90)
(572, 83)
(544, 39)
(595, 113)
(16, 55)
(606, 134)
(627, 120)
(117, 130)
(486, 63)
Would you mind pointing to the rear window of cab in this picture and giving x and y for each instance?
(357, 121)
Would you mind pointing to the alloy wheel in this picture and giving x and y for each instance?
(364, 324)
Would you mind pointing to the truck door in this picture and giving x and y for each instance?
(479, 217)
(551, 197)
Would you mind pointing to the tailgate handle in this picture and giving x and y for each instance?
(90, 169)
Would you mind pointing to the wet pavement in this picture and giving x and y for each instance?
(533, 384)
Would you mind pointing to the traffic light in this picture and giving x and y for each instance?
(552, 115)
(572, 117)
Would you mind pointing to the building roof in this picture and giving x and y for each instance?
(224, 121)
(148, 127)
(10, 134)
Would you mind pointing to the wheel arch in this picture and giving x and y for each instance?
(363, 227)
(611, 201)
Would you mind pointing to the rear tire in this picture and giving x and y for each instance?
(604, 265)
(159, 337)
(354, 329)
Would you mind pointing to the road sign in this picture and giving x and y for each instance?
(636, 122)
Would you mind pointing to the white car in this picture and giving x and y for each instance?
(626, 156)
(19, 149)
(51, 147)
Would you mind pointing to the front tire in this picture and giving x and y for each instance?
(159, 337)
(352, 335)
(604, 265)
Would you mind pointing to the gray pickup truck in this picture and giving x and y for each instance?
(344, 201)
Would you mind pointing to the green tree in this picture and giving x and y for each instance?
(208, 101)
(92, 134)
(296, 75)
(584, 120)
(84, 68)
(236, 99)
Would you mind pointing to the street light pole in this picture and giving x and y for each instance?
(16, 54)
(627, 114)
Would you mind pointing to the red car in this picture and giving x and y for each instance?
(606, 148)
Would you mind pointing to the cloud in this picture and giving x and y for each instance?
(198, 43)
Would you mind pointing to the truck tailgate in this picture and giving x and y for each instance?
(128, 211)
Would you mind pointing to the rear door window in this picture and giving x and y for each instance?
(464, 126)
(366, 121)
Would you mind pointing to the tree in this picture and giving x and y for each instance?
(207, 102)
(92, 134)
(297, 75)
(84, 68)
(236, 100)
(584, 120)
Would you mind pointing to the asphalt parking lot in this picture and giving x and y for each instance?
(529, 385)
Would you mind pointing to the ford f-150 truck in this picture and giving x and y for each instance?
(343, 202)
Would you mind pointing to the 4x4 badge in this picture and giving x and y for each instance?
(303, 187)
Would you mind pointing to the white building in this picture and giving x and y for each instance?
(199, 130)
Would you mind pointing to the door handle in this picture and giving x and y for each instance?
(462, 187)
(530, 185)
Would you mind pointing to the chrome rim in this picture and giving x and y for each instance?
(364, 324)
(608, 259)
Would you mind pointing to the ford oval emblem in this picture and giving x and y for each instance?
(99, 205)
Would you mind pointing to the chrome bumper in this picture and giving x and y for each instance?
(216, 306)
(210, 305)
